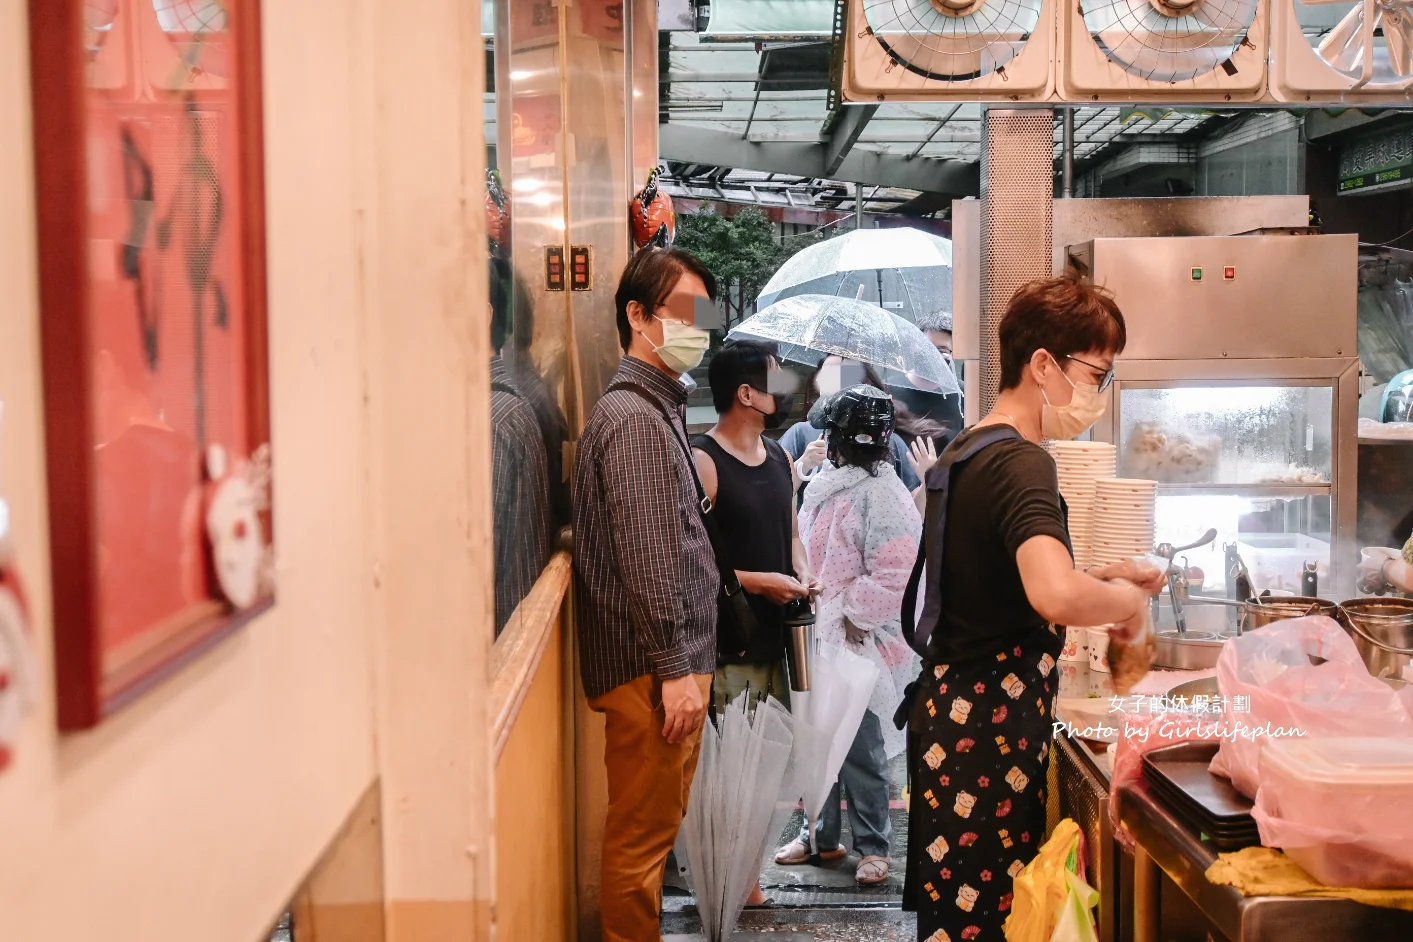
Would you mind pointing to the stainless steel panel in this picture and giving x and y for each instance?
(1080, 220)
(1341, 373)
(1017, 190)
(1293, 296)
(966, 280)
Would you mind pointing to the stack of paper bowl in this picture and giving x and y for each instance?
(1080, 465)
(1123, 519)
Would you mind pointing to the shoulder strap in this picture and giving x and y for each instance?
(731, 585)
(931, 547)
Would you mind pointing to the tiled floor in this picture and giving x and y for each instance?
(809, 925)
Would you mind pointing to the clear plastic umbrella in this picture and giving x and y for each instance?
(808, 328)
(735, 813)
(907, 271)
(827, 720)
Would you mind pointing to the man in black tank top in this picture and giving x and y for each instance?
(749, 480)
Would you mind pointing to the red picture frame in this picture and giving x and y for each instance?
(151, 232)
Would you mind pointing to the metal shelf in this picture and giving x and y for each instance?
(1246, 490)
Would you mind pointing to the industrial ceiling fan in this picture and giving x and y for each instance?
(941, 49)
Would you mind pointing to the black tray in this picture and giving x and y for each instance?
(1177, 776)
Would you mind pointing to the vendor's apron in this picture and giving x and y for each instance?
(978, 747)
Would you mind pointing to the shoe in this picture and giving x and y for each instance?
(872, 870)
(798, 852)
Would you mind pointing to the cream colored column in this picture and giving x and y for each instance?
(421, 237)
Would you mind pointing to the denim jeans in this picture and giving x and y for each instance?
(864, 776)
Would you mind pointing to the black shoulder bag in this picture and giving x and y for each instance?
(736, 600)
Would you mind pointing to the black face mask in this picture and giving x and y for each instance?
(783, 401)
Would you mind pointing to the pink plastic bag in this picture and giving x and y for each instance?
(1139, 734)
(1269, 671)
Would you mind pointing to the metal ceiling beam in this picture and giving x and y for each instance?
(845, 135)
(725, 149)
(940, 125)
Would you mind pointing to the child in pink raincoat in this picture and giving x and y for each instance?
(861, 528)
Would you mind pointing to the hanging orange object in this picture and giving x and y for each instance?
(651, 216)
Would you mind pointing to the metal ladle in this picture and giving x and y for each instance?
(1169, 552)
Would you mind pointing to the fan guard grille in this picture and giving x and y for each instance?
(946, 47)
(1161, 42)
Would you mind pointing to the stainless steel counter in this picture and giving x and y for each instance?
(1167, 847)
(1131, 887)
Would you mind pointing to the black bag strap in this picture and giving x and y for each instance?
(498, 386)
(932, 545)
(735, 594)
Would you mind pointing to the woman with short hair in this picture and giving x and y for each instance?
(997, 577)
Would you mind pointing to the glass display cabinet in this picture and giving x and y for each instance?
(1238, 393)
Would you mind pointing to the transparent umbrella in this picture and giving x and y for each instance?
(735, 811)
(827, 720)
(907, 271)
(810, 327)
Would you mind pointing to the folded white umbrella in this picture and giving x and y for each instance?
(827, 720)
(735, 814)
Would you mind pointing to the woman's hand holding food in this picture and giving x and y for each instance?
(1138, 571)
(1139, 615)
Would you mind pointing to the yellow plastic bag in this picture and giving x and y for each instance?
(1051, 902)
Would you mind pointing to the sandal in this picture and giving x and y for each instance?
(798, 852)
(872, 870)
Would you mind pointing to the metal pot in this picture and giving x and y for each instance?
(1259, 614)
(1195, 651)
(1382, 630)
(1202, 687)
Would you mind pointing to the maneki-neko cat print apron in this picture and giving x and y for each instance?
(982, 746)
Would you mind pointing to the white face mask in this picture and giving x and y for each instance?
(682, 346)
(1085, 408)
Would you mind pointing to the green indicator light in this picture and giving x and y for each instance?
(1197, 274)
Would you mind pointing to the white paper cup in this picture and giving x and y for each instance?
(1076, 646)
(1099, 649)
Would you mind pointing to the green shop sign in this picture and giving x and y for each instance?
(1381, 161)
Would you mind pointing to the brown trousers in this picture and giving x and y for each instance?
(649, 781)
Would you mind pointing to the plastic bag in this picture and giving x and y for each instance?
(1131, 659)
(1141, 733)
(1271, 688)
(1051, 902)
(1076, 924)
(1359, 846)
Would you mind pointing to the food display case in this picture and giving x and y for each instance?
(1238, 392)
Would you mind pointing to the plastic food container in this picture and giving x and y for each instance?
(1340, 808)
(1099, 649)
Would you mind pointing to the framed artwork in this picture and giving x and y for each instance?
(150, 201)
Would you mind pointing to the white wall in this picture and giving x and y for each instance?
(195, 813)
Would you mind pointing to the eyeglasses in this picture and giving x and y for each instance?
(1106, 377)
